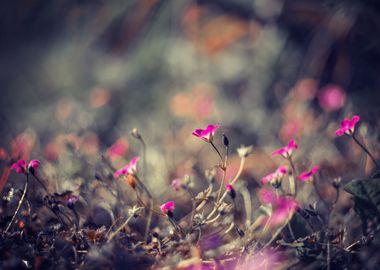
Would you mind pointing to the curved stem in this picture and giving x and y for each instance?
(366, 150)
(216, 149)
(19, 204)
(150, 213)
(112, 236)
(41, 183)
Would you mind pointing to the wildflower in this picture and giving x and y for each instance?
(347, 126)
(21, 167)
(286, 151)
(118, 149)
(128, 169)
(168, 208)
(206, 134)
(305, 176)
(283, 206)
(176, 184)
(244, 151)
(275, 176)
(332, 98)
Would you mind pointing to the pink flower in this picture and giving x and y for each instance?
(176, 184)
(128, 169)
(347, 126)
(277, 175)
(21, 167)
(286, 151)
(167, 207)
(207, 134)
(331, 98)
(305, 176)
(118, 149)
(283, 206)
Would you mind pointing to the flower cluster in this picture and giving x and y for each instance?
(20, 166)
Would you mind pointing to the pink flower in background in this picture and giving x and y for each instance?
(332, 97)
(305, 176)
(129, 168)
(207, 134)
(167, 207)
(347, 126)
(267, 196)
(118, 149)
(283, 206)
(21, 167)
(278, 174)
(286, 151)
(176, 184)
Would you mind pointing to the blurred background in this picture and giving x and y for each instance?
(87, 72)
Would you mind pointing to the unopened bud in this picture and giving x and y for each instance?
(226, 142)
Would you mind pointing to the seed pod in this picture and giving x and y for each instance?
(226, 142)
(131, 181)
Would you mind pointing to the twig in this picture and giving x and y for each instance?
(112, 236)
(366, 150)
(19, 204)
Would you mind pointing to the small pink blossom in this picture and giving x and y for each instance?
(167, 207)
(229, 187)
(176, 184)
(130, 168)
(278, 174)
(286, 151)
(20, 166)
(207, 134)
(347, 126)
(267, 196)
(332, 97)
(305, 176)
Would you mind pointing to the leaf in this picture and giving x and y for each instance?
(366, 194)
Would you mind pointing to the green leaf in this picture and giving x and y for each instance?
(366, 194)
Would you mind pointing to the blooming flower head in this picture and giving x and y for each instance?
(286, 151)
(347, 126)
(168, 207)
(206, 134)
(331, 98)
(20, 166)
(305, 176)
(130, 168)
(275, 176)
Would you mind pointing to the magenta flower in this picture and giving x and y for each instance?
(283, 206)
(21, 167)
(167, 207)
(207, 134)
(176, 184)
(128, 169)
(286, 151)
(331, 98)
(347, 126)
(305, 176)
(277, 175)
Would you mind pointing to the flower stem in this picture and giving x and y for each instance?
(292, 183)
(112, 236)
(19, 204)
(150, 213)
(366, 150)
(216, 149)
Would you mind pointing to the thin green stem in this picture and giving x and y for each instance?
(216, 149)
(19, 204)
(292, 183)
(366, 150)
